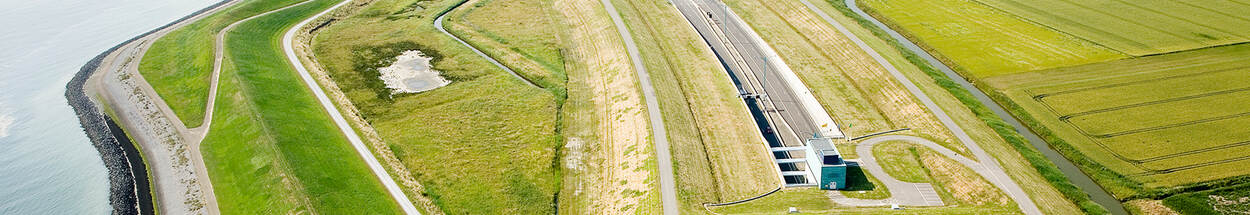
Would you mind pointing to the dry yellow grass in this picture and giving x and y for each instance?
(608, 144)
(855, 89)
(717, 149)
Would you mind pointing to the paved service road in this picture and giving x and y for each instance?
(438, 23)
(365, 153)
(731, 40)
(995, 173)
(1070, 170)
(664, 158)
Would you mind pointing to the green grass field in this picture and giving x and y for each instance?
(983, 41)
(484, 144)
(1227, 200)
(1139, 27)
(273, 149)
(179, 64)
(518, 33)
(1157, 121)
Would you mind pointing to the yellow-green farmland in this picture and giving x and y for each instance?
(1140, 27)
(983, 41)
(1156, 122)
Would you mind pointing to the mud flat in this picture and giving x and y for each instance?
(411, 73)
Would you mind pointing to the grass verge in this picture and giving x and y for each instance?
(484, 144)
(274, 150)
(1036, 160)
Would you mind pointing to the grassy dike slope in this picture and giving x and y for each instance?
(986, 133)
(485, 144)
(522, 35)
(1024, 163)
(179, 64)
(856, 92)
(715, 142)
(274, 150)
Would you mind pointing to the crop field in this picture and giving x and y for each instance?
(1023, 167)
(179, 64)
(717, 149)
(1157, 121)
(983, 41)
(274, 150)
(484, 144)
(1139, 27)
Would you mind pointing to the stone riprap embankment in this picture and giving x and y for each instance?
(124, 193)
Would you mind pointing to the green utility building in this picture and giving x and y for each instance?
(826, 164)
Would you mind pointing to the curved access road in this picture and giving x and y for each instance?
(219, 47)
(288, 46)
(664, 157)
(1074, 174)
(438, 23)
(904, 193)
(996, 174)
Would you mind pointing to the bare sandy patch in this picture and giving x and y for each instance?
(1151, 207)
(411, 73)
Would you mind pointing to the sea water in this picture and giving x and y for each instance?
(47, 164)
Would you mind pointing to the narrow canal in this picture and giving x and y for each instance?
(1074, 174)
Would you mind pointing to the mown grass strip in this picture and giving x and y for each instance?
(273, 128)
(179, 64)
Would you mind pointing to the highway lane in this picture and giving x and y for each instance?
(772, 99)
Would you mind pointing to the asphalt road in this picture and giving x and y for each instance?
(383, 176)
(438, 23)
(731, 40)
(1074, 174)
(664, 157)
(995, 174)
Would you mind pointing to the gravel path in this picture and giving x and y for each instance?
(383, 176)
(668, 191)
(995, 173)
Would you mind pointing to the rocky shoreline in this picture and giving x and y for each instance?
(128, 192)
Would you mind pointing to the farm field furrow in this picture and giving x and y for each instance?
(1148, 146)
(982, 41)
(1157, 121)
(1164, 115)
(1110, 95)
(1139, 27)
